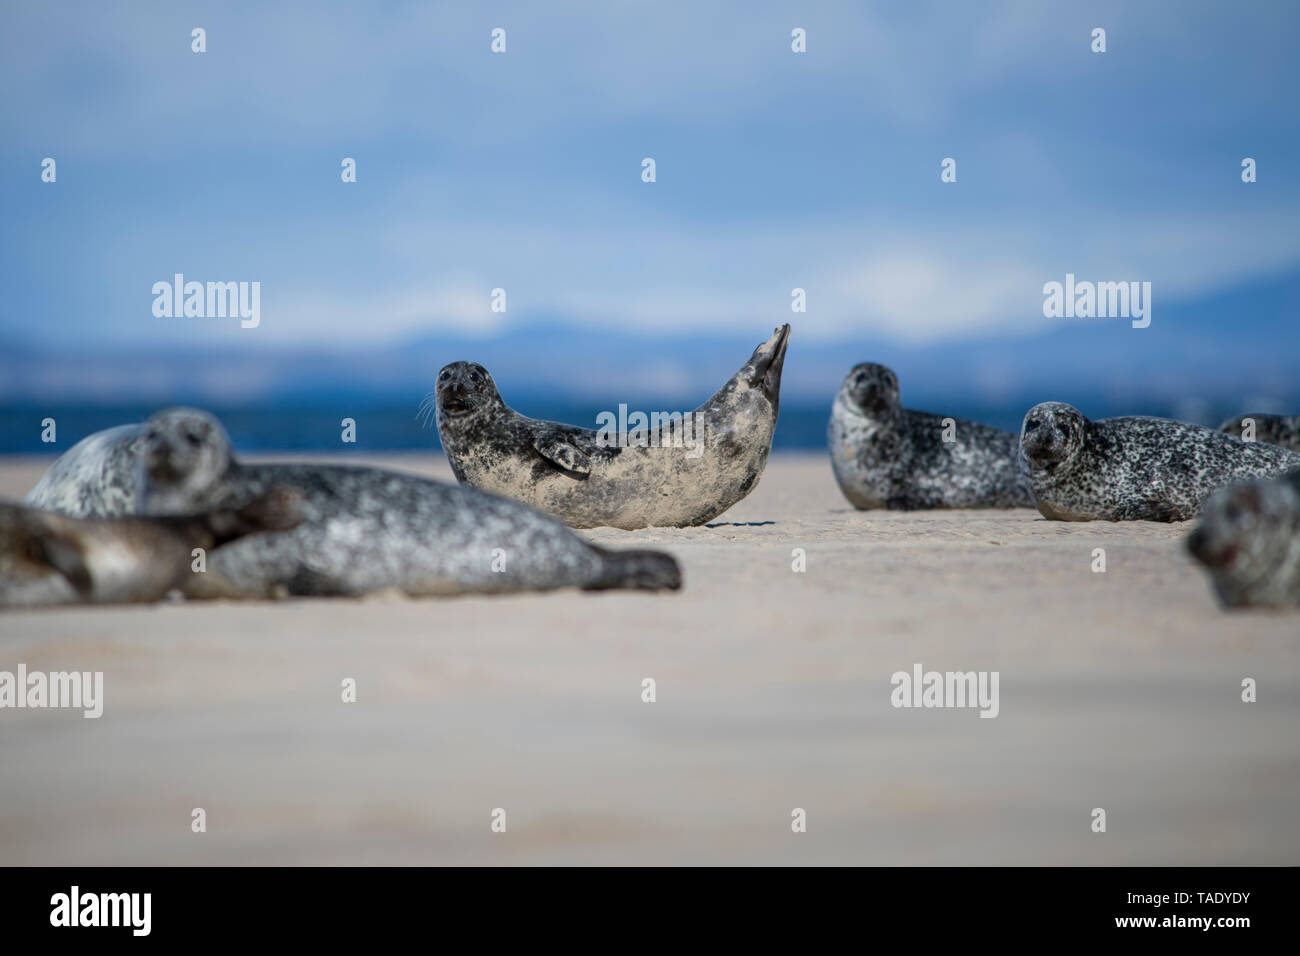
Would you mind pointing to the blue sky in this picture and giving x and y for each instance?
(522, 170)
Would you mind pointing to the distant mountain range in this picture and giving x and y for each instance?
(1234, 351)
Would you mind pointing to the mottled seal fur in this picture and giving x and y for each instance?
(93, 478)
(1280, 430)
(367, 529)
(49, 558)
(1249, 541)
(589, 480)
(1135, 468)
(888, 456)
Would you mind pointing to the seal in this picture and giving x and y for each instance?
(1134, 468)
(93, 478)
(1248, 540)
(888, 456)
(49, 558)
(1280, 430)
(367, 529)
(700, 464)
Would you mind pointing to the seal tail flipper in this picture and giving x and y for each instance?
(642, 569)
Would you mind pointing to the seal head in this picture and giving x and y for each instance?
(1248, 540)
(465, 388)
(1051, 436)
(184, 454)
(872, 390)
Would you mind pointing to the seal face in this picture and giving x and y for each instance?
(367, 529)
(1280, 430)
(93, 478)
(49, 558)
(1248, 540)
(592, 479)
(1133, 468)
(888, 456)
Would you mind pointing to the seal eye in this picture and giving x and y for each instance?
(444, 376)
(475, 377)
(194, 438)
(1031, 424)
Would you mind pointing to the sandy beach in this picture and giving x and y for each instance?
(1119, 690)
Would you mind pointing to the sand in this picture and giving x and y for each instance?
(1118, 690)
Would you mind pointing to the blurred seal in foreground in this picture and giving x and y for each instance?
(50, 558)
(685, 472)
(1249, 541)
(888, 456)
(367, 529)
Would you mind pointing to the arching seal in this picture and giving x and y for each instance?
(888, 456)
(49, 558)
(93, 478)
(1134, 468)
(1280, 430)
(591, 479)
(1249, 541)
(367, 529)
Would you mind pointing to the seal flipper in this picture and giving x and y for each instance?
(279, 509)
(64, 556)
(643, 569)
(561, 451)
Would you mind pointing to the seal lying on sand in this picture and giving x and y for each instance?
(1249, 541)
(366, 529)
(1280, 430)
(94, 478)
(626, 480)
(1135, 468)
(888, 456)
(49, 558)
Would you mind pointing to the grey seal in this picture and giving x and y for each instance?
(628, 479)
(1248, 539)
(93, 478)
(1133, 468)
(888, 456)
(48, 558)
(1280, 430)
(368, 529)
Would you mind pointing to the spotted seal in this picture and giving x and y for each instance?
(1134, 468)
(888, 456)
(93, 478)
(700, 465)
(1280, 430)
(1248, 539)
(367, 529)
(49, 558)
